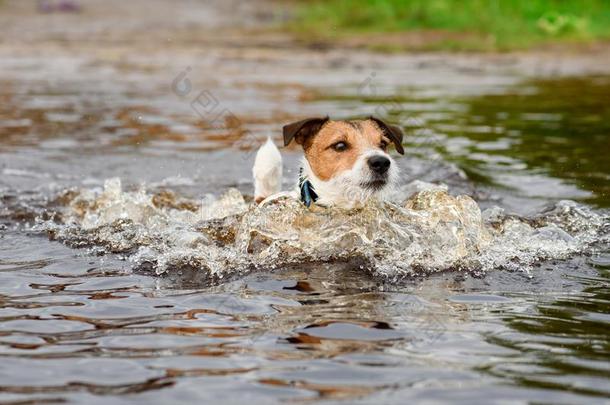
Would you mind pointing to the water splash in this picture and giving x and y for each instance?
(428, 232)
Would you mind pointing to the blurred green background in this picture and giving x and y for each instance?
(492, 25)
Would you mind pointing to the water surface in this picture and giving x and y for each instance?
(82, 325)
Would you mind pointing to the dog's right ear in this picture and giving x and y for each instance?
(300, 130)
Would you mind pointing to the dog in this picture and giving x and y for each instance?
(345, 163)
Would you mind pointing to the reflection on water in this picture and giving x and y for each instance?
(90, 331)
(556, 127)
(558, 358)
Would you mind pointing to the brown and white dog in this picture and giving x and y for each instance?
(345, 163)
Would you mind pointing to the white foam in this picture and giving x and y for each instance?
(430, 231)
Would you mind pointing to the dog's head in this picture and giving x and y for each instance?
(350, 155)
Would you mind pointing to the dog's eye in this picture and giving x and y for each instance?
(340, 146)
(383, 145)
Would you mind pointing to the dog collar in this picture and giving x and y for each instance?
(308, 194)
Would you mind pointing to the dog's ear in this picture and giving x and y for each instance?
(392, 132)
(302, 129)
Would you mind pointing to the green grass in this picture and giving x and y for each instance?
(456, 24)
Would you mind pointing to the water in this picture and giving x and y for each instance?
(421, 233)
(134, 268)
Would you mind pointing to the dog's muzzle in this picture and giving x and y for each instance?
(379, 167)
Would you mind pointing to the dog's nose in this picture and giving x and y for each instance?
(379, 164)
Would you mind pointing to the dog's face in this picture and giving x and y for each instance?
(351, 156)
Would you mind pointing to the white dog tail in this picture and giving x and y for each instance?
(267, 171)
